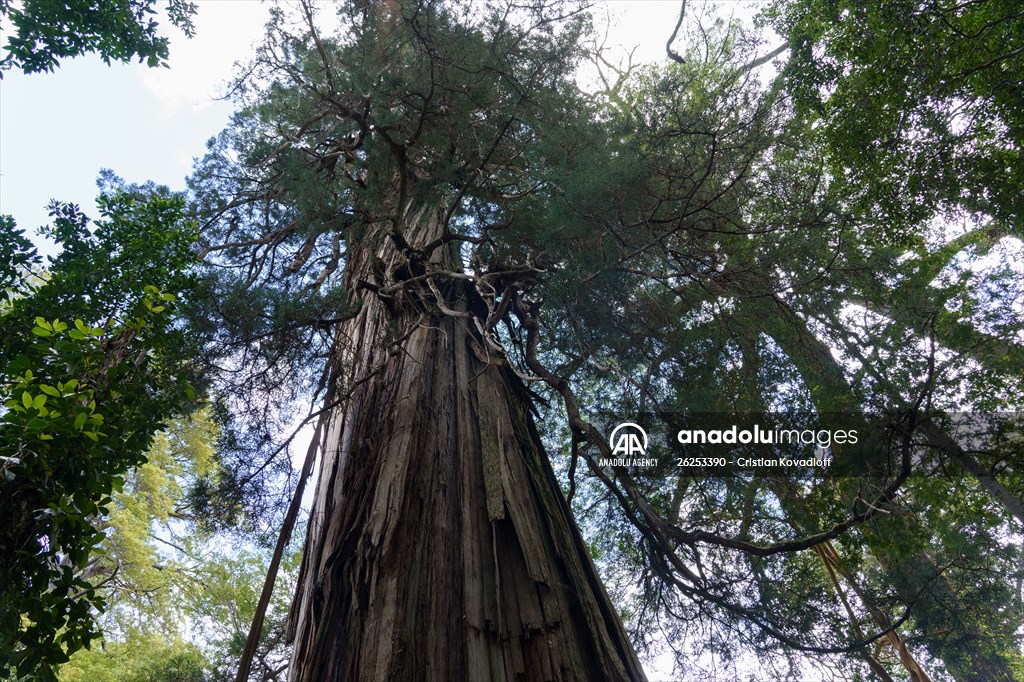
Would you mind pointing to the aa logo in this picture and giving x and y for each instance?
(628, 439)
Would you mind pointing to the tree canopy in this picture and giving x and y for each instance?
(697, 241)
(473, 267)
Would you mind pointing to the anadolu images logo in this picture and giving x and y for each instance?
(628, 439)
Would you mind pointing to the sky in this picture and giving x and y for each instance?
(58, 130)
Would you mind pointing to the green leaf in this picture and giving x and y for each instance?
(39, 331)
(49, 390)
(80, 420)
(26, 399)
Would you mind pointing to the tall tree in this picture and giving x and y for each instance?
(439, 545)
(422, 219)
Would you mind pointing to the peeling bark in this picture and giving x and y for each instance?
(439, 545)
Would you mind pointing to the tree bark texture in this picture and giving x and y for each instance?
(440, 546)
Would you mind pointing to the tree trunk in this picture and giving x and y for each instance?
(440, 546)
(948, 446)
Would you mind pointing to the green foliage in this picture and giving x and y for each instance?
(83, 397)
(141, 658)
(143, 593)
(19, 260)
(179, 601)
(224, 597)
(40, 33)
(921, 102)
(213, 595)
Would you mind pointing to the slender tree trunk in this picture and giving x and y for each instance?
(952, 632)
(830, 558)
(440, 546)
(870, 658)
(948, 446)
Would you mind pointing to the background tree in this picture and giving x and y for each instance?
(40, 33)
(83, 397)
(756, 320)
